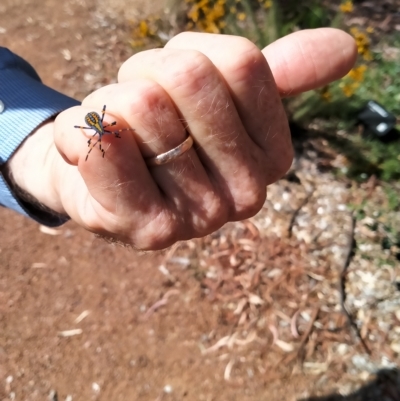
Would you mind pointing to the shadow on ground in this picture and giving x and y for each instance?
(369, 156)
(385, 387)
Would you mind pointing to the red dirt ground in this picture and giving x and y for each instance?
(47, 281)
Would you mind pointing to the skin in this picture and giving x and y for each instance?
(221, 89)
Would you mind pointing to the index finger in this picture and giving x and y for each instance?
(118, 186)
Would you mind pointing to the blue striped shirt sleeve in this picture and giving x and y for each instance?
(25, 103)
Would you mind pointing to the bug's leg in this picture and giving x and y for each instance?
(101, 148)
(90, 139)
(94, 145)
(116, 133)
(91, 148)
(87, 155)
(124, 129)
(110, 125)
(78, 126)
(102, 112)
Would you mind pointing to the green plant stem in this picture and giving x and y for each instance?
(259, 34)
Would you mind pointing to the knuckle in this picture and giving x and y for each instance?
(161, 233)
(146, 98)
(213, 214)
(249, 202)
(249, 60)
(191, 74)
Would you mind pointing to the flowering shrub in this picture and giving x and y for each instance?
(264, 21)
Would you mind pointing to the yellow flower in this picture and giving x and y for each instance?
(267, 4)
(221, 24)
(354, 31)
(349, 88)
(193, 14)
(207, 15)
(367, 55)
(137, 43)
(346, 7)
(363, 43)
(326, 94)
(241, 16)
(210, 28)
(144, 29)
(202, 3)
(370, 29)
(357, 74)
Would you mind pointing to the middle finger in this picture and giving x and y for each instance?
(206, 107)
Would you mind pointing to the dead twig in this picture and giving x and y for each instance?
(162, 302)
(303, 340)
(342, 283)
(293, 324)
(309, 329)
(297, 211)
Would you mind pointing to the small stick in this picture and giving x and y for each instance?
(162, 302)
(342, 283)
(304, 338)
(293, 325)
(309, 327)
(297, 211)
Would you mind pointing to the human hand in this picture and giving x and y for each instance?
(222, 90)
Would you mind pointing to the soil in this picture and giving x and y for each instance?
(54, 281)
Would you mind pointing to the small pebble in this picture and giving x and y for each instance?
(167, 389)
(95, 387)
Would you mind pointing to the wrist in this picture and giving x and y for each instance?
(31, 173)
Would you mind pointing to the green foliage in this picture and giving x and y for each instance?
(358, 210)
(281, 18)
(382, 83)
(393, 199)
(262, 21)
(305, 14)
(337, 107)
(368, 156)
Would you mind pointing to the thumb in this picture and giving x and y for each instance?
(310, 59)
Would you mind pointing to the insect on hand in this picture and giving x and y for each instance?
(95, 123)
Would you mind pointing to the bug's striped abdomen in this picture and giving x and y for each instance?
(93, 120)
